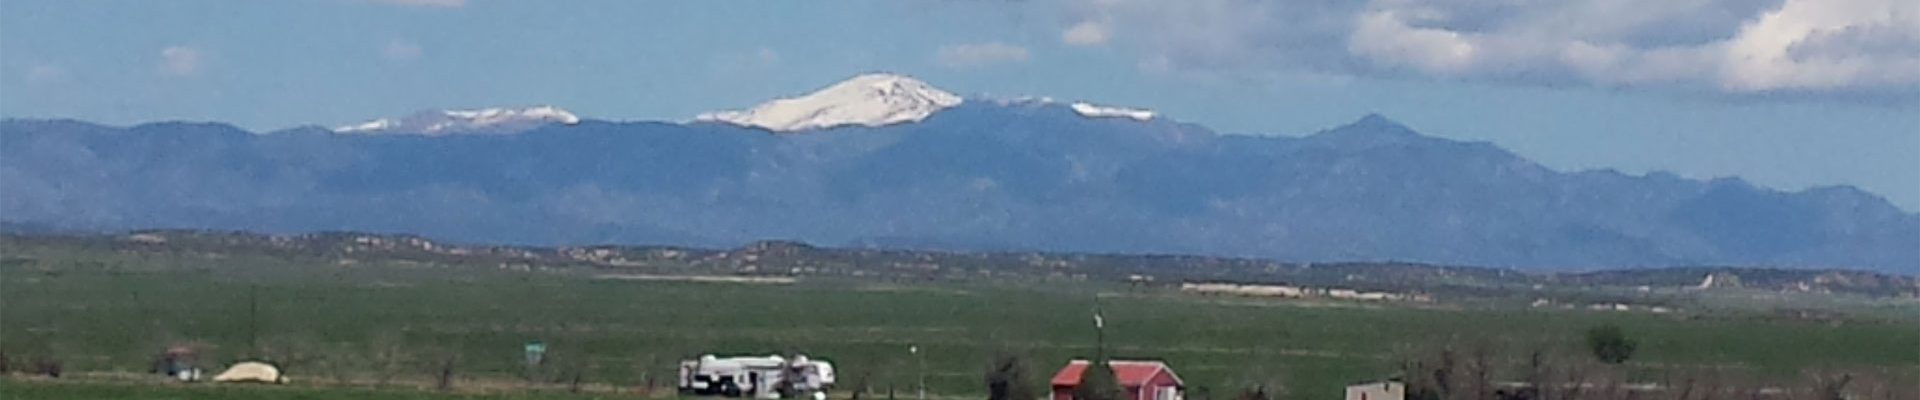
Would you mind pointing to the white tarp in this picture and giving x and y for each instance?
(251, 371)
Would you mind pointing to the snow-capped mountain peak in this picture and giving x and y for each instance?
(477, 121)
(1091, 110)
(869, 100)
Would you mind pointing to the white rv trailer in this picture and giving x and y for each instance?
(767, 377)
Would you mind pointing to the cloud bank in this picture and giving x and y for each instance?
(1738, 47)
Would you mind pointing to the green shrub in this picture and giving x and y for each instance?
(1610, 344)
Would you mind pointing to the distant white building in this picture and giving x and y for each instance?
(1382, 390)
(1295, 292)
(1245, 290)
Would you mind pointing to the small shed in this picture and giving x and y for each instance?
(1382, 390)
(1142, 380)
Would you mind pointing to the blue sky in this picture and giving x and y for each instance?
(1786, 93)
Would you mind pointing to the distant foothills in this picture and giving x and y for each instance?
(785, 262)
(885, 161)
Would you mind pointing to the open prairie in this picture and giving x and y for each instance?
(374, 328)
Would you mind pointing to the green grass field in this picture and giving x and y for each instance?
(367, 322)
(48, 389)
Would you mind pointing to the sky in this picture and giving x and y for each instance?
(1788, 94)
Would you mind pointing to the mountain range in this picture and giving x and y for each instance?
(888, 161)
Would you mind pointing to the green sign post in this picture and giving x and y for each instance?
(536, 352)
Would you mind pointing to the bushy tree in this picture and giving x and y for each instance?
(1610, 344)
(1098, 383)
(1008, 379)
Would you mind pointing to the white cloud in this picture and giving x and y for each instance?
(1386, 37)
(1826, 44)
(46, 73)
(1085, 33)
(400, 50)
(1727, 46)
(424, 3)
(180, 61)
(977, 55)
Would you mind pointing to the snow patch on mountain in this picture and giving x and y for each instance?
(369, 126)
(866, 100)
(1091, 110)
(478, 121)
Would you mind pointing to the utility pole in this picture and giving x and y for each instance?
(922, 359)
(1099, 331)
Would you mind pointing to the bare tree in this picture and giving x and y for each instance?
(445, 373)
(289, 353)
(1480, 371)
(1443, 375)
(338, 364)
(1574, 386)
(1712, 384)
(860, 385)
(1431, 374)
(646, 378)
(1256, 392)
(388, 357)
(1414, 374)
(1537, 373)
(1686, 388)
(1830, 387)
(576, 374)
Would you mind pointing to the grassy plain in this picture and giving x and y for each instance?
(371, 322)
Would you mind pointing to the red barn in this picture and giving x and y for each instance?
(1142, 380)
